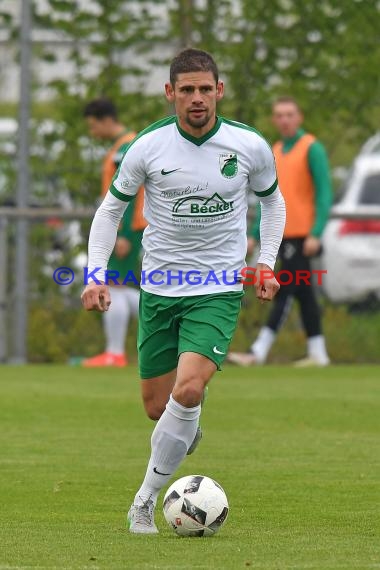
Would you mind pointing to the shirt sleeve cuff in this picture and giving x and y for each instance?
(267, 260)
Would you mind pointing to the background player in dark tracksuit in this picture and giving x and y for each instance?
(304, 179)
(103, 123)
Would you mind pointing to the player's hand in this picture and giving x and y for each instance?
(122, 247)
(251, 244)
(96, 297)
(311, 246)
(266, 284)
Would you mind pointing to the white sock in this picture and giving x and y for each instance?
(263, 344)
(133, 297)
(316, 349)
(116, 320)
(171, 438)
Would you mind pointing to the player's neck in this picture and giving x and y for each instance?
(117, 130)
(293, 136)
(198, 132)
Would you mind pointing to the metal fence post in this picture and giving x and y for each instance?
(19, 352)
(3, 289)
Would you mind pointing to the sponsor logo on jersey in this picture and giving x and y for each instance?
(228, 164)
(185, 192)
(200, 206)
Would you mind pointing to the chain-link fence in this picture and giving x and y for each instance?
(58, 328)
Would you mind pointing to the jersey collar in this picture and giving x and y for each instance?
(289, 142)
(200, 140)
(295, 138)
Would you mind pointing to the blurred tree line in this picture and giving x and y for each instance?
(326, 53)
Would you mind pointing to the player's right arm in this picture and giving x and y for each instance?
(128, 179)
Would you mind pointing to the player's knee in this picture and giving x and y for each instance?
(189, 393)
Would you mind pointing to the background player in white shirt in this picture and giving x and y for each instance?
(197, 169)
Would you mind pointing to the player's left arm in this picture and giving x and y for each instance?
(320, 172)
(263, 181)
(253, 237)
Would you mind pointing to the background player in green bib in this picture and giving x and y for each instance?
(197, 169)
(103, 123)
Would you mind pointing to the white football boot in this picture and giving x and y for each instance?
(140, 518)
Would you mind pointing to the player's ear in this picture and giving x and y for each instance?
(219, 90)
(169, 92)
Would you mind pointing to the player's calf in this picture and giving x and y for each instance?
(156, 393)
(154, 410)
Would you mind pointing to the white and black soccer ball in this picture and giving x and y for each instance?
(195, 505)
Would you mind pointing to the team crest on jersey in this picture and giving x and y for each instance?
(228, 164)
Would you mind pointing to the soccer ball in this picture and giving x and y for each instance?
(195, 505)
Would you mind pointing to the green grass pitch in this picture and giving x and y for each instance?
(297, 451)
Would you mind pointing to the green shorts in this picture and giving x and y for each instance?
(169, 326)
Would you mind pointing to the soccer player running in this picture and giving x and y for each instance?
(304, 177)
(103, 123)
(197, 169)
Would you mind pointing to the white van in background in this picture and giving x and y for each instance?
(351, 243)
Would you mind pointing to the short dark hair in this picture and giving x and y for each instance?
(100, 109)
(191, 59)
(286, 99)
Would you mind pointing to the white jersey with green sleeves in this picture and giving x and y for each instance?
(196, 193)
